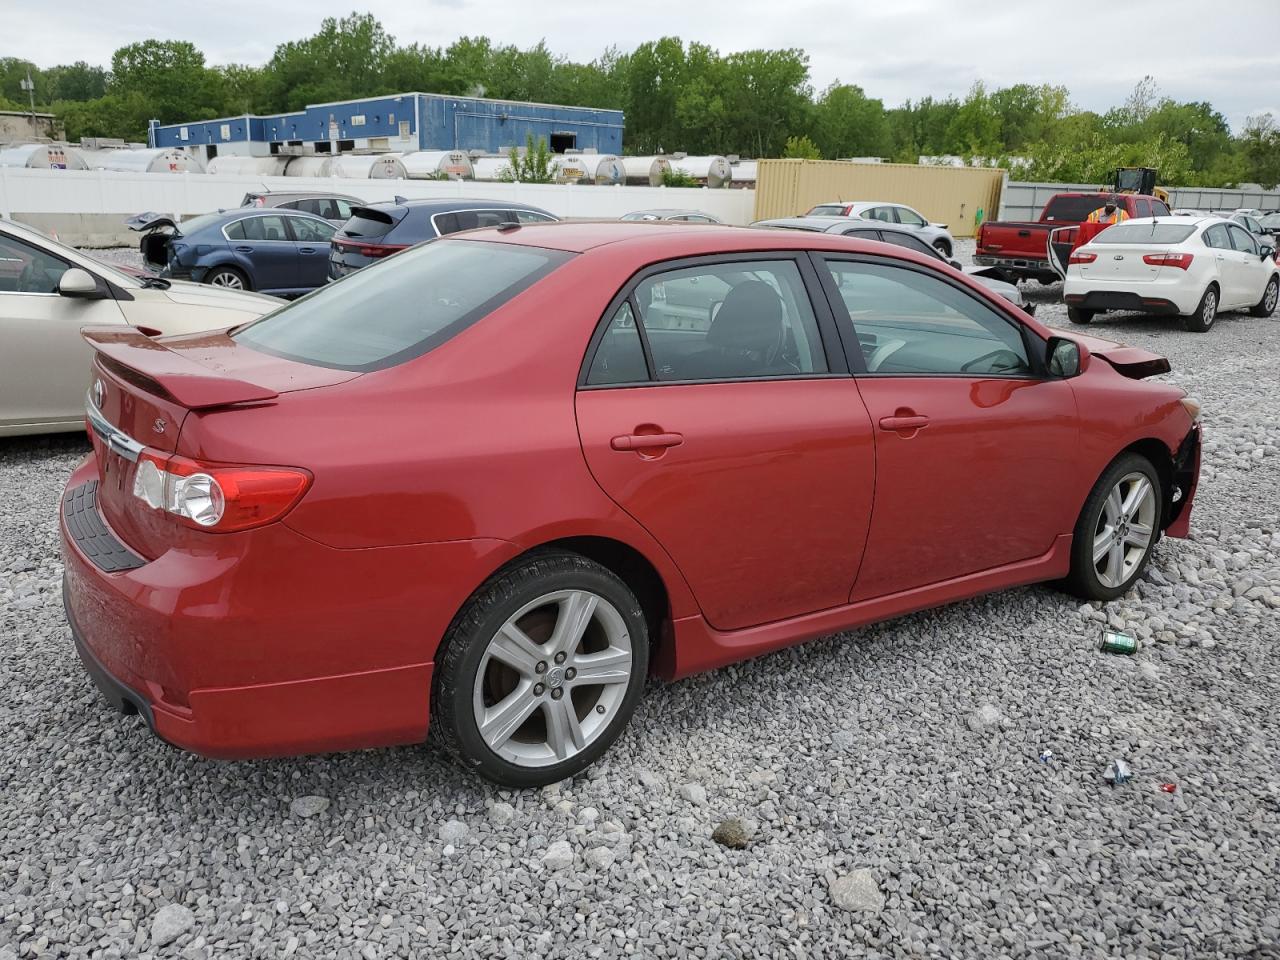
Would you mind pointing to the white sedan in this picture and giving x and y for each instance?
(49, 291)
(1172, 266)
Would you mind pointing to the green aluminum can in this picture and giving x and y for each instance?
(1118, 643)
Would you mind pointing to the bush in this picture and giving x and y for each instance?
(536, 166)
(678, 178)
(801, 148)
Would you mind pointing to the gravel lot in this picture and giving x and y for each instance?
(888, 779)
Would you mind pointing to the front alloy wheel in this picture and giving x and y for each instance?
(541, 670)
(1117, 529)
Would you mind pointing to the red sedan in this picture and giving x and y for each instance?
(490, 483)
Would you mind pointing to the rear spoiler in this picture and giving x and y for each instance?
(151, 366)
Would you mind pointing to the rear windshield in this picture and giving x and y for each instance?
(402, 307)
(1076, 209)
(1157, 233)
(193, 226)
(369, 224)
(827, 210)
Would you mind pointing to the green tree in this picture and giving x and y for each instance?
(344, 60)
(848, 123)
(169, 75)
(801, 148)
(73, 81)
(1260, 149)
(536, 165)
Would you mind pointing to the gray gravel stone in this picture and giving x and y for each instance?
(857, 892)
(695, 793)
(310, 806)
(169, 923)
(559, 856)
(600, 858)
(984, 718)
(455, 831)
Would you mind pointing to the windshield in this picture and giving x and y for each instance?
(100, 267)
(1075, 209)
(402, 307)
(1157, 233)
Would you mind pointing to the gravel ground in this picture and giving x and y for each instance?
(888, 781)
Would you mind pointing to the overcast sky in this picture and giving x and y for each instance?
(1224, 51)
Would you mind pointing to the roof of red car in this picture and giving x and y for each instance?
(673, 239)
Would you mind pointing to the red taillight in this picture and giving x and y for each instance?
(1079, 257)
(372, 250)
(1179, 260)
(219, 498)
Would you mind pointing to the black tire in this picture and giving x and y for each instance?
(227, 277)
(462, 652)
(1080, 315)
(1083, 580)
(1206, 312)
(1048, 281)
(1267, 305)
(943, 248)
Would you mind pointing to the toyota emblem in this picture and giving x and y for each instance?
(99, 393)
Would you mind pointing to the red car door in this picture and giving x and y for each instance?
(718, 416)
(975, 447)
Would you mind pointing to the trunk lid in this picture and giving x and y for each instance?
(157, 230)
(143, 390)
(1120, 262)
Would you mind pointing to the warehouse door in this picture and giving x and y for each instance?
(562, 142)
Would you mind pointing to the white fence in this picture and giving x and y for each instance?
(94, 202)
(1024, 201)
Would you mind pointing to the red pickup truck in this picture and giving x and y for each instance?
(1021, 250)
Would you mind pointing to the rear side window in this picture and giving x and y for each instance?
(1216, 237)
(1158, 233)
(910, 242)
(400, 308)
(620, 356)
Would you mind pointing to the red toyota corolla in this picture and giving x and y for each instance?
(495, 480)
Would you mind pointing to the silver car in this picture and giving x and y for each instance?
(334, 207)
(680, 216)
(935, 234)
(49, 291)
(903, 237)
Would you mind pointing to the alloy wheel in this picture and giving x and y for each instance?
(226, 278)
(552, 678)
(1210, 308)
(1273, 292)
(1125, 528)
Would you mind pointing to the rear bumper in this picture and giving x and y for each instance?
(1116, 300)
(1163, 297)
(1035, 267)
(266, 643)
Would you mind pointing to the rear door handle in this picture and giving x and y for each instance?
(244, 249)
(646, 441)
(306, 249)
(1024, 233)
(902, 424)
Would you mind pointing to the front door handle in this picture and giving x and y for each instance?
(244, 249)
(646, 441)
(903, 424)
(306, 249)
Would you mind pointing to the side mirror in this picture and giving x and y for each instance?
(1062, 357)
(79, 283)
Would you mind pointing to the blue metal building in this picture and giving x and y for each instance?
(402, 122)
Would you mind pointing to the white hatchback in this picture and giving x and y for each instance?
(49, 291)
(1175, 267)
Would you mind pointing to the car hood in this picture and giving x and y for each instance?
(1132, 362)
(190, 294)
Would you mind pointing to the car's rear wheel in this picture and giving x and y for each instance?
(228, 277)
(541, 670)
(1267, 305)
(1117, 529)
(943, 248)
(1206, 312)
(1080, 315)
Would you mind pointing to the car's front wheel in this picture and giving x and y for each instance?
(1117, 529)
(1267, 305)
(1206, 312)
(541, 670)
(227, 277)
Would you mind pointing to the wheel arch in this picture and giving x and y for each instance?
(1158, 454)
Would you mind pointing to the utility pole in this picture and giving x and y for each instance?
(30, 87)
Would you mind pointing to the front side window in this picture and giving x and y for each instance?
(401, 307)
(909, 217)
(1143, 207)
(911, 323)
(28, 269)
(447, 223)
(532, 216)
(1158, 209)
(730, 321)
(1241, 239)
(306, 230)
(863, 234)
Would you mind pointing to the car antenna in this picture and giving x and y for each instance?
(400, 199)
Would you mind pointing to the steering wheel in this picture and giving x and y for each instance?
(26, 279)
(1000, 361)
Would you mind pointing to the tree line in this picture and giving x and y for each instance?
(676, 95)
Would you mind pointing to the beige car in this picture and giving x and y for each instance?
(49, 291)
